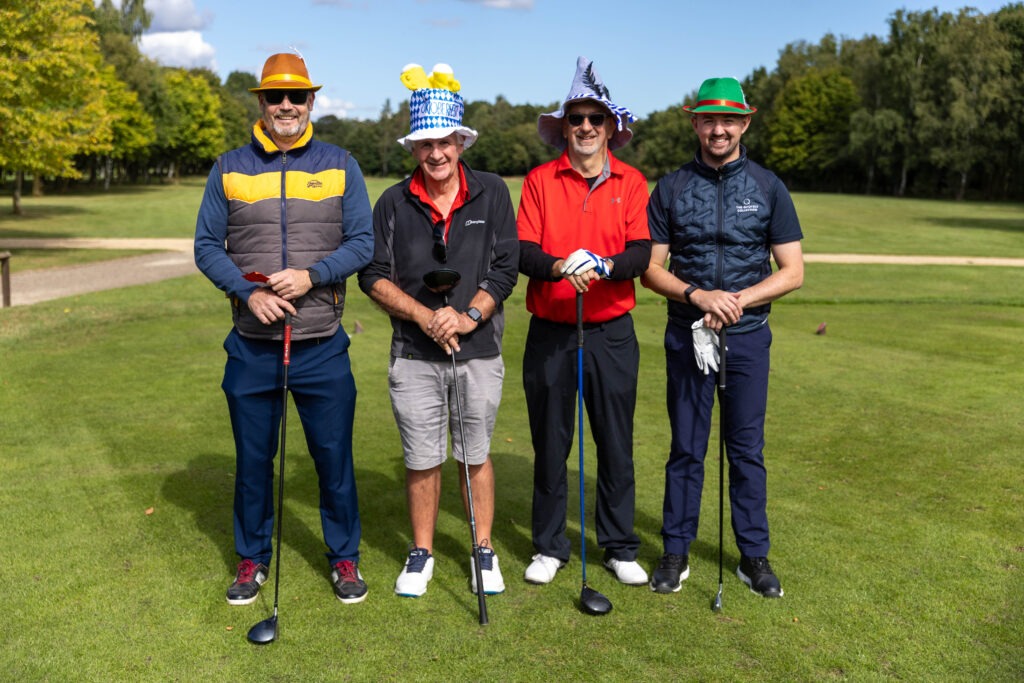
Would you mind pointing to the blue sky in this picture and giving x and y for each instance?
(650, 53)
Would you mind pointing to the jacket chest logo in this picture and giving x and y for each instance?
(747, 207)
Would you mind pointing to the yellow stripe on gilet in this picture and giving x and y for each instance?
(298, 185)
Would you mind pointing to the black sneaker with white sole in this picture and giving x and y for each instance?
(248, 579)
(348, 583)
(758, 575)
(672, 570)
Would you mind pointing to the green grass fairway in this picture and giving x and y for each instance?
(893, 453)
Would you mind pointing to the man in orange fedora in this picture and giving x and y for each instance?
(295, 209)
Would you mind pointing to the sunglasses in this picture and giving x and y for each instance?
(277, 96)
(596, 120)
(440, 249)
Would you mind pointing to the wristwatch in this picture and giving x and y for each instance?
(314, 276)
(690, 290)
(475, 315)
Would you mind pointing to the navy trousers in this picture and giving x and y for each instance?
(611, 359)
(321, 384)
(691, 398)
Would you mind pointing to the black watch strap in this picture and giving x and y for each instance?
(690, 290)
(475, 315)
(314, 276)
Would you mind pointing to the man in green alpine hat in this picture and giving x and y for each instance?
(716, 224)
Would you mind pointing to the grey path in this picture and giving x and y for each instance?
(33, 286)
(175, 260)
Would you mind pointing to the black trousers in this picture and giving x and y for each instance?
(611, 360)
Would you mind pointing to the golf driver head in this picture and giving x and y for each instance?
(593, 602)
(441, 280)
(264, 632)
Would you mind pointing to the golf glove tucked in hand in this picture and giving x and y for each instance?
(581, 260)
(705, 347)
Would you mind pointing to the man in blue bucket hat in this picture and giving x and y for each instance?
(716, 224)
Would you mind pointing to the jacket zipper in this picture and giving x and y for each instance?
(720, 241)
(284, 214)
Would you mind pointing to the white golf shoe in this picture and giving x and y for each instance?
(542, 569)
(628, 572)
(489, 572)
(416, 574)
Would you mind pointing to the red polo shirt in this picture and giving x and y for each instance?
(419, 188)
(559, 211)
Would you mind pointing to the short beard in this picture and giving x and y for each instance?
(299, 127)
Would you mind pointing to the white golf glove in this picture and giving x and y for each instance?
(705, 347)
(581, 260)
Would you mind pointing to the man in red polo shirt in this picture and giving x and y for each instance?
(583, 228)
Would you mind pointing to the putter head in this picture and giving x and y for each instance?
(264, 632)
(442, 280)
(594, 603)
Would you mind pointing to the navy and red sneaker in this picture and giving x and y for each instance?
(348, 582)
(247, 583)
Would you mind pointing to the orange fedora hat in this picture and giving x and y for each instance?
(285, 71)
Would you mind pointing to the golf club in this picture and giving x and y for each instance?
(266, 631)
(442, 281)
(591, 601)
(717, 604)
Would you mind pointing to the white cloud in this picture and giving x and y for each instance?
(179, 48)
(176, 15)
(503, 4)
(324, 105)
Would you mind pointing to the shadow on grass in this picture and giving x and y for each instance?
(1002, 224)
(205, 488)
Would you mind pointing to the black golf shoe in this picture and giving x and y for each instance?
(247, 583)
(758, 575)
(348, 582)
(672, 570)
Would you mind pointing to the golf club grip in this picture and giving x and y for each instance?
(287, 339)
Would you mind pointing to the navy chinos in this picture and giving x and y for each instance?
(691, 398)
(321, 384)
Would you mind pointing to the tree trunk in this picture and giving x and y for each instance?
(108, 169)
(902, 189)
(37, 185)
(963, 186)
(871, 179)
(19, 177)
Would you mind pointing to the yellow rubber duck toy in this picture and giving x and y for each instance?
(414, 77)
(444, 78)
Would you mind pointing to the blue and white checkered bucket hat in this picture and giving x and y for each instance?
(586, 85)
(436, 113)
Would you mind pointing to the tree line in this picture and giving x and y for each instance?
(933, 109)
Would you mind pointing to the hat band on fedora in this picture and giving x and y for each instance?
(722, 103)
(289, 78)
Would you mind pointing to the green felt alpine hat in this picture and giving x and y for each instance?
(720, 96)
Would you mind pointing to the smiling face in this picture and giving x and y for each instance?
(439, 159)
(585, 140)
(286, 122)
(719, 136)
